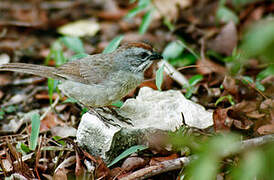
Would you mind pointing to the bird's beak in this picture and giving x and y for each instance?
(155, 56)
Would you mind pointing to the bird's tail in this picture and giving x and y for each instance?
(44, 71)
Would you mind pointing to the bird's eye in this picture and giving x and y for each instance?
(144, 55)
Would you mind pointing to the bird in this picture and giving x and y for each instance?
(98, 80)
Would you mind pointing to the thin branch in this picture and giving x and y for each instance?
(159, 168)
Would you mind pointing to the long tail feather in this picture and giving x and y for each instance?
(44, 71)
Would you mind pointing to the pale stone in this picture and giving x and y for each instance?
(151, 112)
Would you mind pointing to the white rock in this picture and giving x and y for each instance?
(151, 112)
(164, 110)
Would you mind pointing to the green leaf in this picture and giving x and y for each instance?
(173, 50)
(143, 2)
(113, 45)
(209, 156)
(258, 41)
(128, 152)
(35, 127)
(247, 80)
(183, 60)
(21, 147)
(195, 79)
(70, 100)
(2, 113)
(189, 92)
(226, 15)
(160, 77)
(167, 22)
(133, 12)
(84, 110)
(10, 109)
(59, 57)
(259, 86)
(189, 49)
(253, 164)
(50, 89)
(118, 104)
(146, 22)
(266, 72)
(77, 56)
(57, 138)
(228, 97)
(56, 53)
(73, 43)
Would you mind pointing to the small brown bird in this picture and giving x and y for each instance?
(97, 80)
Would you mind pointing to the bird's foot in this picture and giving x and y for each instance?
(120, 117)
(107, 121)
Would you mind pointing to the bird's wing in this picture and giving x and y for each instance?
(86, 70)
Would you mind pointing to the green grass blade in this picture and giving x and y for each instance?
(35, 127)
(73, 43)
(113, 45)
(146, 22)
(160, 77)
(128, 152)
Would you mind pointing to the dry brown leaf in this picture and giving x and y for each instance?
(255, 115)
(156, 160)
(230, 86)
(226, 40)
(5, 79)
(221, 120)
(132, 163)
(102, 169)
(51, 120)
(206, 66)
(266, 129)
(242, 124)
(60, 174)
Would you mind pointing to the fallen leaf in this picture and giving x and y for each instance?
(221, 120)
(226, 40)
(230, 86)
(255, 115)
(5, 79)
(102, 169)
(243, 124)
(206, 66)
(266, 129)
(51, 120)
(60, 174)
(156, 160)
(132, 163)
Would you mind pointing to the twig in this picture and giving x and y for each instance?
(173, 73)
(257, 141)
(159, 168)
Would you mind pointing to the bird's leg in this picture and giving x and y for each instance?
(104, 119)
(120, 117)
